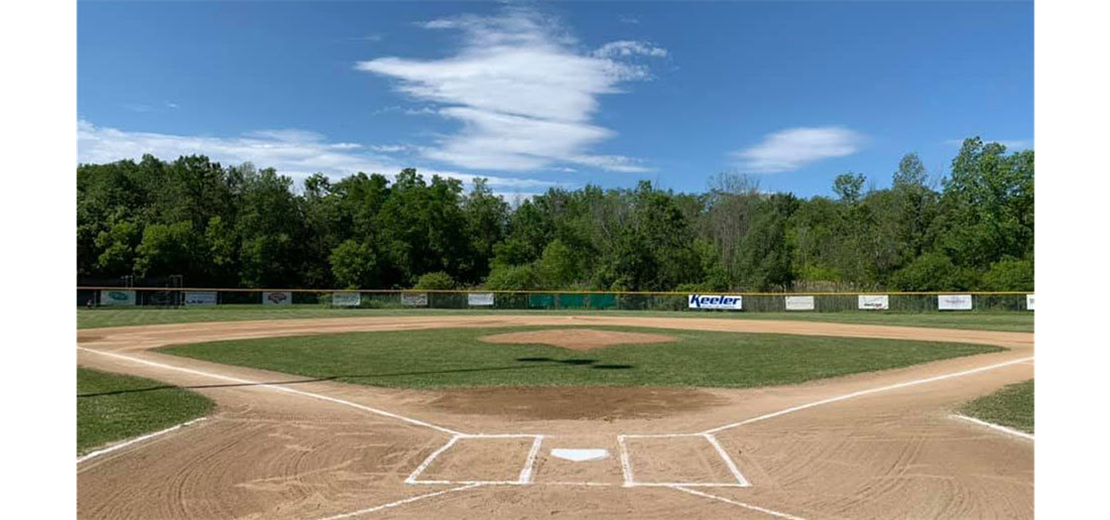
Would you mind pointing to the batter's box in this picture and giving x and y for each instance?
(480, 459)
(677, 460)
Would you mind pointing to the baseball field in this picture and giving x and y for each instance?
(331, 414)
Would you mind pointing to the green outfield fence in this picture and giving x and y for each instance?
(164, 297)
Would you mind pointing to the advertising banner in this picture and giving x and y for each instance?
(414, 299)
(479, 299)
(277, 298)
(1028, 302)
(346, 299)
(714, 301)
(800, 303)
(954, 302)
(112, 297)
(200, 298)
(874, 302)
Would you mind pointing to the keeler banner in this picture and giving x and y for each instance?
(714, 301)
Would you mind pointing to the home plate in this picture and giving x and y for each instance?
(580, 455)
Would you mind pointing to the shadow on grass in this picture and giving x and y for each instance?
(551, 363)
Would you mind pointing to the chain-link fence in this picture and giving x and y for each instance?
(119, 297)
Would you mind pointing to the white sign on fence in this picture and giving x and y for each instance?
(479, 299)
(200, 298)
(954, 302)
(414, 299)
(277, 298)
(874, 302)
(714, 301)
(799, 303)
(112, 297)
(1028, 302)
(346, 299)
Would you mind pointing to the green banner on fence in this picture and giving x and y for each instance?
(572, 301)
(541, 301)
(603, 301)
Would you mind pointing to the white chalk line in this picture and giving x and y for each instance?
(626, 464)
(428, 461)
(526, 472)
(114, 447)
(630, 481)
(400, 502)
(998, 427)
(763, 510)
(865, 392)
(728, 460)
(523, 479)
(276, 387)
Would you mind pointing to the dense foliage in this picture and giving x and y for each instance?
(238, 226)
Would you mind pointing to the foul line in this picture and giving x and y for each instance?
(998, 427)
(148, 436)
(523, 479)
(630, 481)
(278, 388)
(735, 503)
(400, 502)
(864, 392)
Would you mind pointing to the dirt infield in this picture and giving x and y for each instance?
(879, 445)
(577, 339)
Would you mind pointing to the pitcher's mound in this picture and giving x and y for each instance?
(577, 339)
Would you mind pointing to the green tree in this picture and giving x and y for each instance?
(171, 249)
(117, 248)
(512, 278)
(354, 265)
(911, 172)
(437, 281)
(932, 272)
(1009, 274)
(849, 187)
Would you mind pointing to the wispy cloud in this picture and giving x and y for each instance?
(628, 19)
(626, 48)
(296, 153)
(524, 96)
(794, 148)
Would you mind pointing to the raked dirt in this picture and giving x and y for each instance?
(286, 447)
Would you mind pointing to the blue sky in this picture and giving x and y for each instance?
(539, 94)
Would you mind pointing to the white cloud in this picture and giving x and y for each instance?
(626, 48)
(523, 95)
(296, 153)
(794, 148)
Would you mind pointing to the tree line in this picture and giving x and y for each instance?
(239, 226)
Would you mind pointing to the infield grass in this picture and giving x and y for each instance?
(455, 357)
(113, 407)
(1011, 406)
(997, 321)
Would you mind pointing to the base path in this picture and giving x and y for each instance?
(879, 445)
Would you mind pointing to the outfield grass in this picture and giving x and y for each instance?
(1012, 406)
(112, 407)
(455, 357)
(999, 321)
